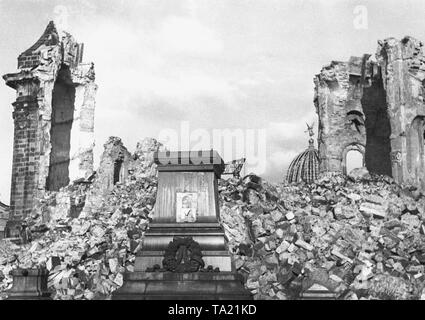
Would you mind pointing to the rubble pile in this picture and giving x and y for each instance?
(86, 254)
(360, 236)
(7, 257)
(361, 239)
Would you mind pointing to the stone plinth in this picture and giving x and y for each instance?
(29, 284)
(185, 235)
(182, 286)
(210, 236)
(184, 175)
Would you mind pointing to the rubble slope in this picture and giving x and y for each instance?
(361, 239)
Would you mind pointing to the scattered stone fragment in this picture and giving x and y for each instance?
(359, 174)
(290, 215)
(304, 245)
(366, 238)
(371, 209)
(86, 254)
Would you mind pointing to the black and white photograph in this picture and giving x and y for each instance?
(186, 206)
(199, 151)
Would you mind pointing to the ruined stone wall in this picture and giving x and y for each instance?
(25, 156)
(403, 68)
(114, 165)
(51, 77)
(341, 118)
(377, 107)
(118, 165)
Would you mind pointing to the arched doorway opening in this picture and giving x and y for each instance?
(353, 157)
(354, 160)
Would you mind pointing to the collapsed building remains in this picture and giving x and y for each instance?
(114, 164)
(376, 108)
(356, 239)
(53, 117)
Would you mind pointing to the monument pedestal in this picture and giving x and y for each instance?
(29, 284)
(210, 237)
(182, 286)
(185, 253)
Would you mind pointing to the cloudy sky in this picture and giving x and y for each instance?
(207, 64)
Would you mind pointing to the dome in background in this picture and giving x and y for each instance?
(305, 167)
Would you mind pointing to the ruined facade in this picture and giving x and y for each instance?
(53, 117)
(376, 107)
(118, 165)
(114, 165)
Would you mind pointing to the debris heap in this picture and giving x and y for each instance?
(87, 254)
(361, 237)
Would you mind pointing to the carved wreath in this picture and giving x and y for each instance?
(183, 254)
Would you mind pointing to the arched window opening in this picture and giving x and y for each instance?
(117, 171)
(354, 160)
(353, 157)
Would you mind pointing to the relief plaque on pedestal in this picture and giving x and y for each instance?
(184, 253)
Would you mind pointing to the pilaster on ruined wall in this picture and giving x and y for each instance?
(341, 120)
(53, 62)
(403, 69)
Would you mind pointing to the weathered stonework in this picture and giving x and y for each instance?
(54, 118)
(375, 107)
(143, 158)
(403, 66)
(114, 165)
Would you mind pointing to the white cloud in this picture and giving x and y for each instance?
(249, 82)
(282, 158)
(186, 87)
(278, 163)
(188, 36)
(141, 63)
(289, 130)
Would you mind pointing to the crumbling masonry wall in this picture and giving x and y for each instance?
(376, 107)
(114, 165)
(403, 68)
(53, 116)
(118, 165)
(341, 119)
